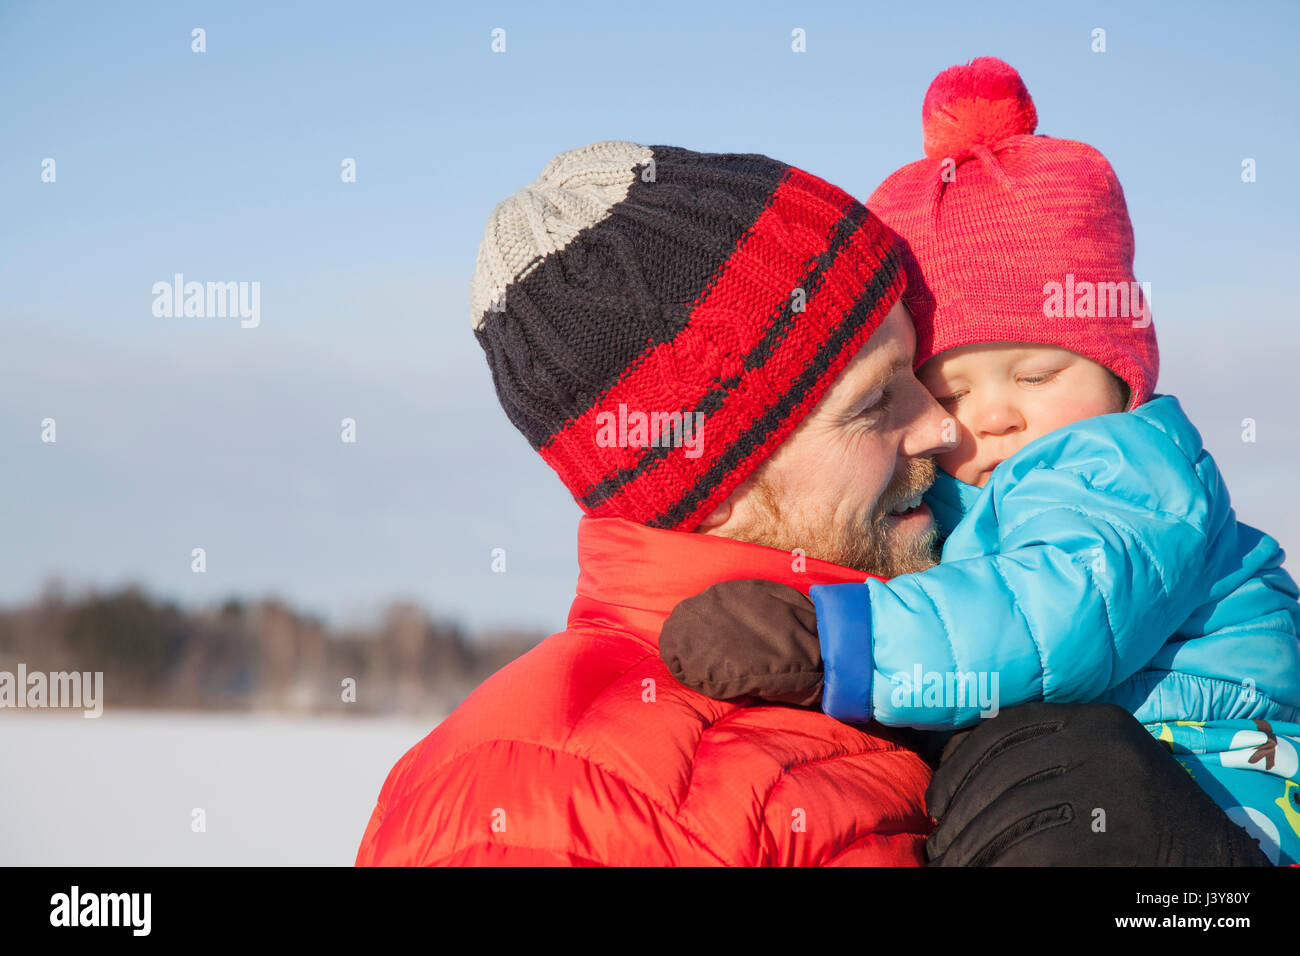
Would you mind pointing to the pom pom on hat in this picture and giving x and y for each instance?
(984, 246)
(979, 104)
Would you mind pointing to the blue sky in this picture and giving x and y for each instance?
(177, 433)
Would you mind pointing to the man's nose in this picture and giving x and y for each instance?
(931, 430)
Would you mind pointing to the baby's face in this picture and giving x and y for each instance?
(1003, 395)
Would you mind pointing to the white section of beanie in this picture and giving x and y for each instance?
(575, 191)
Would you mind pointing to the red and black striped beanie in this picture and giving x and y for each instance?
(658, 321)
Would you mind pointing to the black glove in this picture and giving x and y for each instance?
(1024, 789)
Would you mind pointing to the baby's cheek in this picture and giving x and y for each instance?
(958, 464)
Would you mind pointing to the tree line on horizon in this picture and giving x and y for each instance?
(253, 655)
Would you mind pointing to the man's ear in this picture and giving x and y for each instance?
(732, 507)
(717, 518)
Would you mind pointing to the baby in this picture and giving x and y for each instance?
(1090, 550)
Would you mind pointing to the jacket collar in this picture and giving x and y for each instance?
(632, 576)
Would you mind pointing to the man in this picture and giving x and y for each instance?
(710, 352)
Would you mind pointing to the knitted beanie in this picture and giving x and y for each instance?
(657, 321)
(1013, 237)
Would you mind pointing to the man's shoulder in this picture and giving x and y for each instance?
(546, 695)
(603, 697)
(608, 698)
(588, 744)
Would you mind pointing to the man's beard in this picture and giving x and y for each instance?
(878, 548)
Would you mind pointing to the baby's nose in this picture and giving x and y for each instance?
(999, 418)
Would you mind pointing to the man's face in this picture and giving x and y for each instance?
(846, 485)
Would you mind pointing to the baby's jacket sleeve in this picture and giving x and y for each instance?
(1080, 558)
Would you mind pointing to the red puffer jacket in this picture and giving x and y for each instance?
(587, 751)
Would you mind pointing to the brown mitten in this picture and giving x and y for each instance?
(746, 638)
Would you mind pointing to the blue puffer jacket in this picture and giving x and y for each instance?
(1103, 561)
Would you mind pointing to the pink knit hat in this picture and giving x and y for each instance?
(1015, 237)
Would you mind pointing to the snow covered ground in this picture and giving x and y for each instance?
(121, 789)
